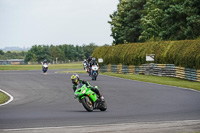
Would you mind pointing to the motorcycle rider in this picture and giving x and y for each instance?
(93, 62)
(88, 65)
(89, 59)
(85, 62)
(45, 62)
(76, 81)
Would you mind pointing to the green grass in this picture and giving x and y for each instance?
(3, 97)
(77, 65)
(159, 80)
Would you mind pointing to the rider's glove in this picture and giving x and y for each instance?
(89, 86)
(96, 87)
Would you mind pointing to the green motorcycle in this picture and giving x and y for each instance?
(89, 99)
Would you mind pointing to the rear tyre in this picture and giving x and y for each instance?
(87, 104)
(104, 106)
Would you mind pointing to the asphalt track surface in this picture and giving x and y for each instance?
(47, 100)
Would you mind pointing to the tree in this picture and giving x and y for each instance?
(174, 21)
(171, 20)
(88, 49)
(141, 20)
(125, 22)
(152, 20)
(30, 57)
(192, 10)
(56, 52)
(1, 52)
(62, 52)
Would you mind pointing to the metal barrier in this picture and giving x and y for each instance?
(114, 68)
(169, 70)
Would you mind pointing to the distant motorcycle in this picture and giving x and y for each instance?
(85, 66)
(89, 99)
(94, 72)
(44, 67)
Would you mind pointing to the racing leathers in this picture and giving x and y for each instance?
(88, 85)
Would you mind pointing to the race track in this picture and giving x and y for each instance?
(47, 100)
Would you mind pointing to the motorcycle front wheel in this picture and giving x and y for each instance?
(87, 104)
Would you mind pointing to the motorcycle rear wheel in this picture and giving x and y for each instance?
(104, 106)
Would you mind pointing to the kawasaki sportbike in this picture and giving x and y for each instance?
(89, 99)
(94, 72)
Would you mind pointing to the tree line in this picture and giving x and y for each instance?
(64, 53)
(144, 20)
(60, 53)
(12, 55)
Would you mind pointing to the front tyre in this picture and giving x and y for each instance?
(87, 104)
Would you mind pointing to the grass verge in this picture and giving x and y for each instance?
(77, 65)
(3, 97)
(159, 80)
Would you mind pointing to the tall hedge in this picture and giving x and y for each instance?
(181, 53)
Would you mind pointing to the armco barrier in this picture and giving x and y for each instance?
(169, 70)
(114, 68)
(180, 72)
(125, 69)
(103, 68)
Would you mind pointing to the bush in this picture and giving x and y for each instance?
(181, 53)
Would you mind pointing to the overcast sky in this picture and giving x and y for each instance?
(24, 23)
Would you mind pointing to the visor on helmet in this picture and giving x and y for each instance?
(74, 81)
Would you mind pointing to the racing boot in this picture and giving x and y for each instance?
(100, 96)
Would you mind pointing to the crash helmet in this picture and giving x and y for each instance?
(75, 78)
(93, 59)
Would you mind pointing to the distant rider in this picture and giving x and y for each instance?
(89, 59)
(85, 62)
(76, 81)
(93, 62)
(88, 65)
(45, 62)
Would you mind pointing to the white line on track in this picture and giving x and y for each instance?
(139, 127)
(10, 100)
